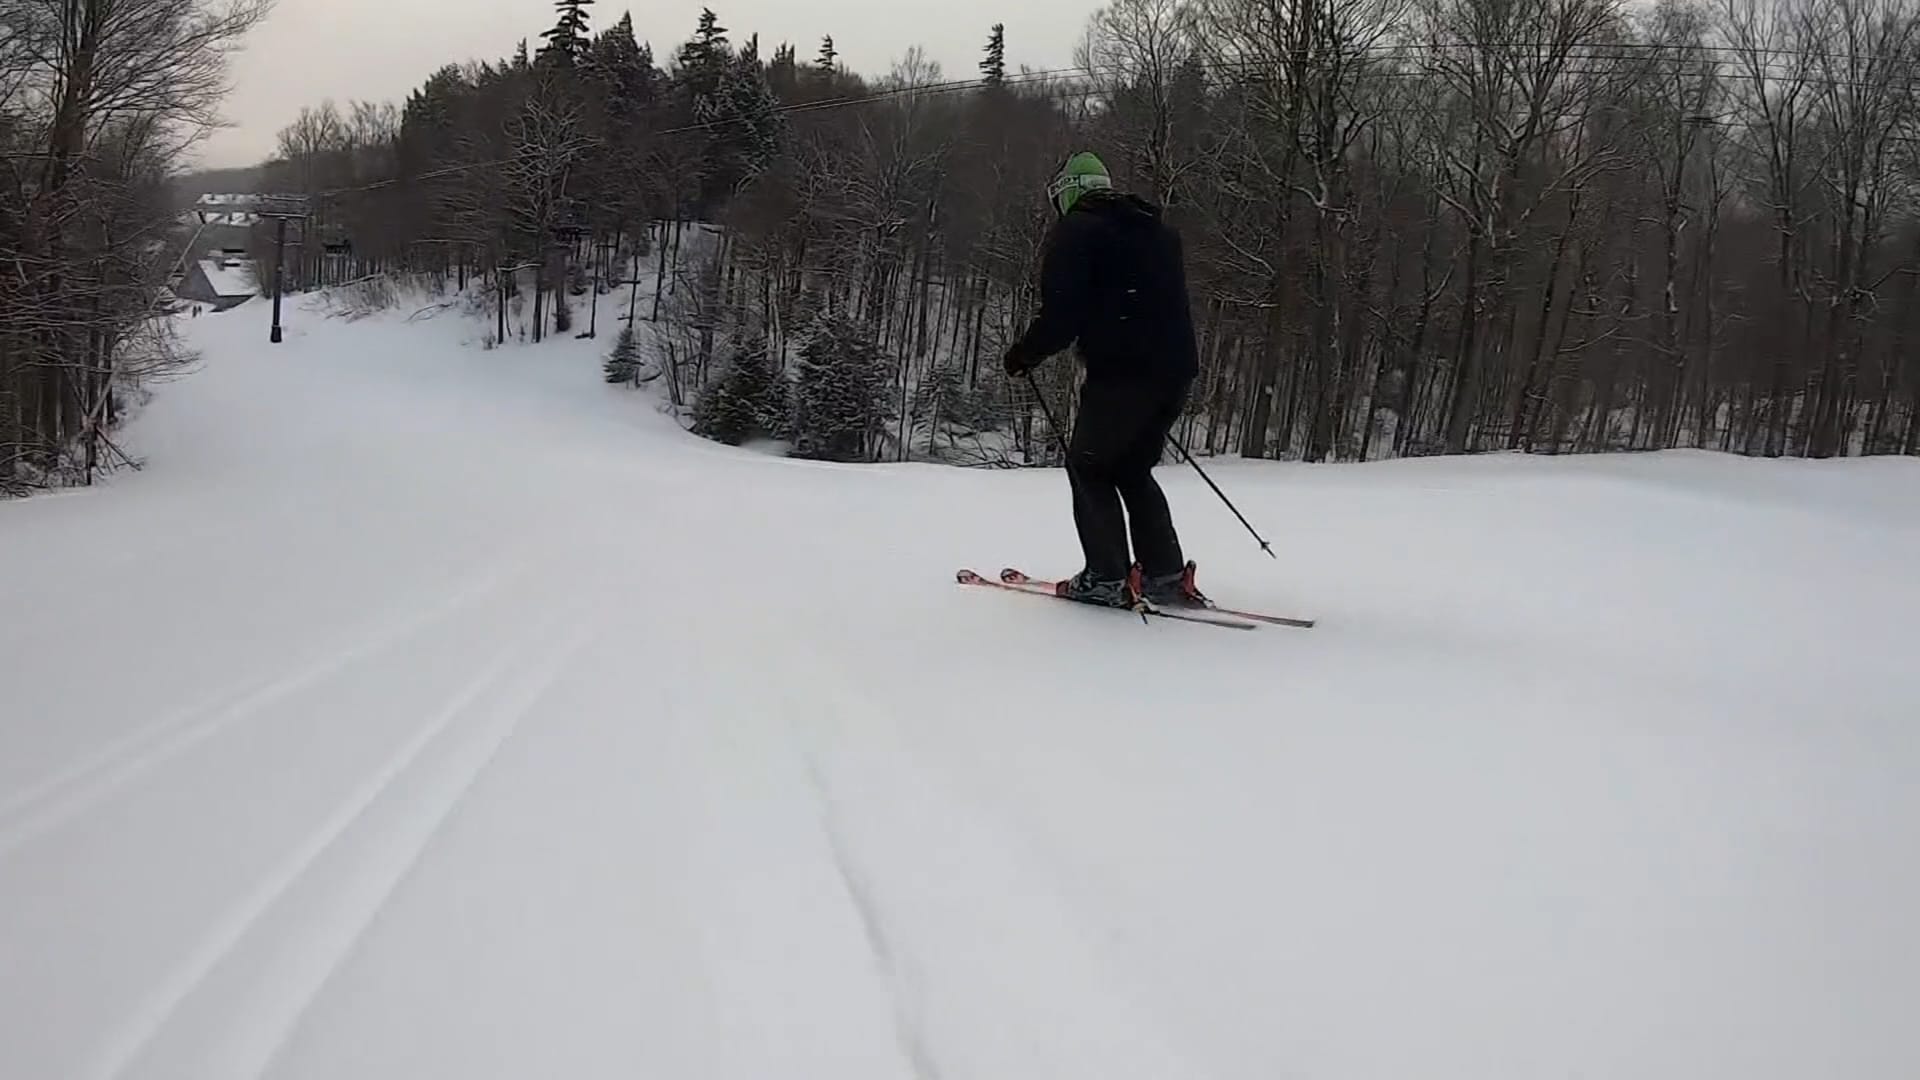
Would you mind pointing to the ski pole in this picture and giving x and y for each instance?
(1264, 546)
(1042, 398)
(1052, 424)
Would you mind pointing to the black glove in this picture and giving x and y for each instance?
(1017, 362)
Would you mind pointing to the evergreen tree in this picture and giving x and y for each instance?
(623, 363)
(841, 394)
(731, 93)
(567, 41)
(709, 46)
(751, 139)
(993, 68)
(942, 405)
(783, 73)
(710, 32)
(827, 56)
(703, 64)
(520, 59)
(699, 93)
(624, 67)
(619, 89)
(750, 399)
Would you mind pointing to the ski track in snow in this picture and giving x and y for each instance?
(270, 1013)
(986, 889)
(470, 720)
(263, 1043)
(42, 806)
(904, 991)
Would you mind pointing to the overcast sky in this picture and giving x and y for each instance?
(312, 50)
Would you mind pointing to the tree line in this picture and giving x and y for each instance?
(99, 102)
(1414, 226)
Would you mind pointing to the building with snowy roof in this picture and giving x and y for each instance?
(220, 283)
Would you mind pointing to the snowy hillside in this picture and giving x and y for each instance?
(467, 719)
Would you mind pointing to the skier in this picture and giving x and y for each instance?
(1113, 280)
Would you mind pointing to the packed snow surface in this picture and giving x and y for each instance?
(430, 711)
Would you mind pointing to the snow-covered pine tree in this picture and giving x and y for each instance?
(841, 394)
(567, 41)
(745, 147)
(940, 404)
(748, 400)
(623, 363)
(773, 400)
(697, 88)
(624, 67)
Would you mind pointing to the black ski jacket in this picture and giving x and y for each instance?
(1114, 280)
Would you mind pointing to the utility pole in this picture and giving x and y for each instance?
(281, 209)
(279, 270)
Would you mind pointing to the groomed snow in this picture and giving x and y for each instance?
(425, 711)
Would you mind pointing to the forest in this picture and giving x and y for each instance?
(1412, 226)
(101, 102)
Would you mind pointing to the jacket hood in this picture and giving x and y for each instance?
(1118, 206)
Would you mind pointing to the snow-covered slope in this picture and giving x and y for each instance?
(425, 711)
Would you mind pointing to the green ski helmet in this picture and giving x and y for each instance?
(1082, 173)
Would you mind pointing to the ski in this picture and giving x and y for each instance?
(1045, 588)
(1016, 578)
(1211, 616)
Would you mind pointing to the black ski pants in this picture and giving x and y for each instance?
(1117, 439)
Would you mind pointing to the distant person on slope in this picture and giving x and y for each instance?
(1113, 280)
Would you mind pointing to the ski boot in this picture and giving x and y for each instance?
(1175, 590)
(1087, 589)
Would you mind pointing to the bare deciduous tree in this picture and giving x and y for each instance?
(98, 101)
